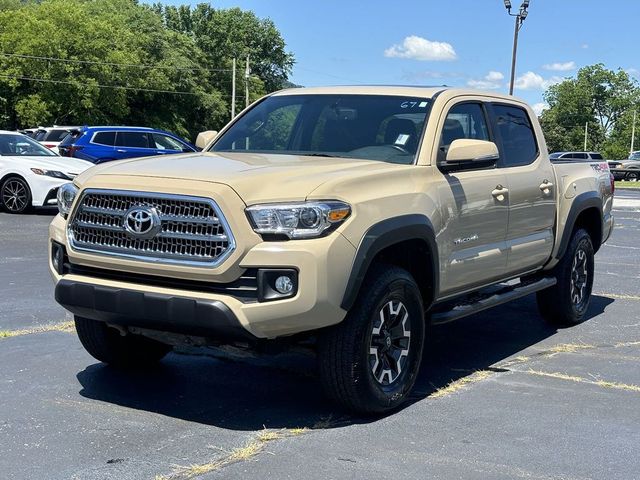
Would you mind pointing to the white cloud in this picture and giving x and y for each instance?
(584, 46)
(539, 107)
(491, 81)
(418, 48)
(560, 67)
(533, 81)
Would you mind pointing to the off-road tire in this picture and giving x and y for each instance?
(345, 360)
(566, 303)
(107, 345)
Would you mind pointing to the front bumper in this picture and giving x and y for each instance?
(130, 308)
(149, 296)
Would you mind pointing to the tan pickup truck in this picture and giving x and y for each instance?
(346, 217)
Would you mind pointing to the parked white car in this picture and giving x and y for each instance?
(31, 174)
(51, 137)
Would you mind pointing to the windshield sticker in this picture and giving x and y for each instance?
(413, 104)
(402, 139)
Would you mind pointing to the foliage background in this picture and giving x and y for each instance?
(121, 62)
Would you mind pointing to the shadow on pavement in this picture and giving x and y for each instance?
(246, 395)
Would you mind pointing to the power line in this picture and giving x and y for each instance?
(118, 87)
(113, 64)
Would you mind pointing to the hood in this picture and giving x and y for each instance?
(61, 164)
(255, 177)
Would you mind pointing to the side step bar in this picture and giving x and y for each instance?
(491, 300)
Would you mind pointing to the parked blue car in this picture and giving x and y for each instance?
(103, 144)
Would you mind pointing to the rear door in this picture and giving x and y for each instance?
(532, 190)
(133, 144)
(472, 246)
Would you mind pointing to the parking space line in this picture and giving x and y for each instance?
(618, 296)
(574, 378)
(66, 327)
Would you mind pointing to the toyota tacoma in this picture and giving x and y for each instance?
(346, 218)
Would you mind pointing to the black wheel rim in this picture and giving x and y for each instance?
(579, 278)
(390, 340)
(15, 195)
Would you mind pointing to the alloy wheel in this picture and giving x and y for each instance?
(579, 277)
(15, 195)
(390, 340)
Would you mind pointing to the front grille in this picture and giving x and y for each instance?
(190, 229)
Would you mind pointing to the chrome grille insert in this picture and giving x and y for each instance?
(192, 229)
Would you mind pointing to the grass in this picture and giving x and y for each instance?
(56, 327)
(626, 184)
(461, 383)
(567, 348)
(241, 454)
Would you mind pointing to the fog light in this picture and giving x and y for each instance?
(284, 285)
(57, 257)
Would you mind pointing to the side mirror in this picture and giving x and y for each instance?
(204, 138)
(471, 153)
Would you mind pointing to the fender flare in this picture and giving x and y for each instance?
(580, 204)
(385, 234)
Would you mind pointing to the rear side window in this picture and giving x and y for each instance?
(133, 139)
(56, 135)
(105, 138)
(39, 135)
(596, 156)
(518, 140)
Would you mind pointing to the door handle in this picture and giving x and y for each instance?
(546, 187)
(119, 150)
(499, 193)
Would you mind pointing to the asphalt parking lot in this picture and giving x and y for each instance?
(501, 394)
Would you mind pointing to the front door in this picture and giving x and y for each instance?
(474, 208)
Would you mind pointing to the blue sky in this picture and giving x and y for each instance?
(456, 42)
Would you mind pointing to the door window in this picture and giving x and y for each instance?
(165, 142)
(465, 120)
(133, 139)
(518, 139)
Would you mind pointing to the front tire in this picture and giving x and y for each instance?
(15, 195)
(107, 345)
(567, 302)
(370, 361)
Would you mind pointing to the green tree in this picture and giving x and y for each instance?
(597, 97)
(121, 62)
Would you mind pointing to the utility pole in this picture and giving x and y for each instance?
(633, 133)
(586, 131)
(247, 72)
(233, 91)
(520, 17)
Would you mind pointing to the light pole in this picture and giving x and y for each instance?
(520, 16)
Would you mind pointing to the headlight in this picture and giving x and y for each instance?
(298, 220)
(51, 173)
(66, 195)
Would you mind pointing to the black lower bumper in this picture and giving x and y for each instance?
(130, 308)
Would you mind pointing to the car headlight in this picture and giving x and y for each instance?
(51, 173)
(66, 194)
(298, 220)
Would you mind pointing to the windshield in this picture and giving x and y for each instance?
(18, 144)
(372, 127)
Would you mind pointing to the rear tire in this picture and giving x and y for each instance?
(370, 361)
(107, 345)
(567, 302)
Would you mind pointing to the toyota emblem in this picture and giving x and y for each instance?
(142, 222)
